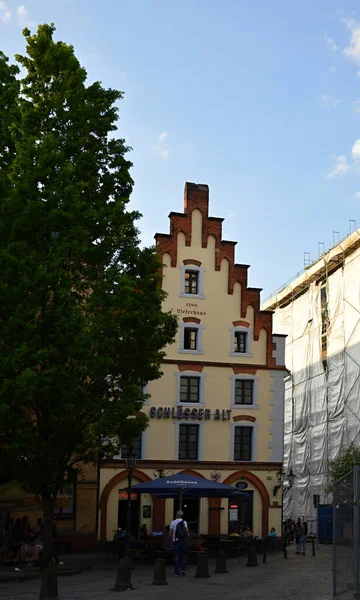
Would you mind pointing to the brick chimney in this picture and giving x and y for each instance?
(196, 195)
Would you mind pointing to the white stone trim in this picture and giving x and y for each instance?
(255, 404)
(201, 376)
(249, 339)
(253, 439)
(279, 352)
(276, 421)
(200, 439)
(200, 329)
(201, 271)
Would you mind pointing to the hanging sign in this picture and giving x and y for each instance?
(241, 485)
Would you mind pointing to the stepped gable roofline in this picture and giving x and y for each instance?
(196, 197)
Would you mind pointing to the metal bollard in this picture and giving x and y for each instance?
(221, 562)
(202, 564)
(252, 557)
(49, 585)
(284, 548)
(264, 550)
(313, 546)
(123, 576)
(160, 572)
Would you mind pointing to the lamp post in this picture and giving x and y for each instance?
(291, 480)
(281, 476)
(130, 463)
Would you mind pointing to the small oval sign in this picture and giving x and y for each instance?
(241, 485)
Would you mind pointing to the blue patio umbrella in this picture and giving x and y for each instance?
(181, 485)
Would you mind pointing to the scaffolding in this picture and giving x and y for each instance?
(320, 314)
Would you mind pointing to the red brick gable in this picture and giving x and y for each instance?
(196, 196)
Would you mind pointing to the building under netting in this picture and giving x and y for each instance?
(319, 311)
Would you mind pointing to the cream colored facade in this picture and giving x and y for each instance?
(217, 305)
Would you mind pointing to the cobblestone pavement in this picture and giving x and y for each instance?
(298, 578)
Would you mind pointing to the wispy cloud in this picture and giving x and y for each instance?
(356, 152)
(161, 147)
(5, 14)
(23, 16)
(329, 100)
(356, 105)
(340, 166)
(353, 49)
(330, 43)
(357, 196)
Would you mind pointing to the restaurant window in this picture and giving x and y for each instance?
(244, 389)
(190, 338)
(240, 342)
(190, 389)
(191, 282)
(243, 443)
(136, 445)
(188, 442)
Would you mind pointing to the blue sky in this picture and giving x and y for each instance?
(260, 100)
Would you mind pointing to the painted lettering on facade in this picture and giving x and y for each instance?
(180, 412)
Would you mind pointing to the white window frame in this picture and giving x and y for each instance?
(255, 404)
(200, 271)
(200, 439)
(199, 338)
(249, 338)
(254, 436)
(201, 376)
(143, 446)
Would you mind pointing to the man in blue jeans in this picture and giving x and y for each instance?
(179, 530)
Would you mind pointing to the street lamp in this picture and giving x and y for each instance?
(291, 478)
(130, 463)
(280, 477)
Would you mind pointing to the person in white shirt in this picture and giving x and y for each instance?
(179, 530)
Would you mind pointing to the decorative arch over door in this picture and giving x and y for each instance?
(265, 498)
(114, 481)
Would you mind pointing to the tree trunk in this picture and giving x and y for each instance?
(48, 506)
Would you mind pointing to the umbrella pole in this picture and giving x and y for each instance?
(180, 499)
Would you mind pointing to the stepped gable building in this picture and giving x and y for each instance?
(217, 411)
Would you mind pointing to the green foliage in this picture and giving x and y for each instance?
(344, 464)
(81, 323)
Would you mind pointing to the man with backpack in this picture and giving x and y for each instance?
(179, 530)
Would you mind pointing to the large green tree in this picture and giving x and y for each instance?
(82, 328)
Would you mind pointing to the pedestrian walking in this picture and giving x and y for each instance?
(300, 540)
(179, 530)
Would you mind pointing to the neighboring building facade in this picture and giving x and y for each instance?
(217, 411)
(75, 513)
(319, 312)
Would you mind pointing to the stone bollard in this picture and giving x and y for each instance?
(49, 585)
(160, 572)
(221, 562)
(123, 576)
(202, 564)
(252, 557)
